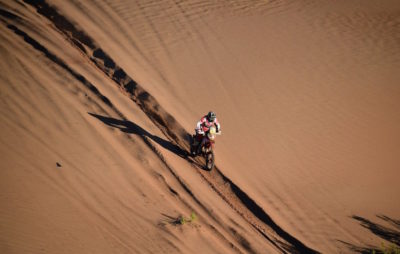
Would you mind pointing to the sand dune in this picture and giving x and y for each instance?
(99, 99)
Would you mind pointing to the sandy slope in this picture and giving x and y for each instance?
(112, 193)
(307, 93)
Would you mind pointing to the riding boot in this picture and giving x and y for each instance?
(195, 144)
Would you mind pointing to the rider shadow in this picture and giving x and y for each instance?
(130, 127)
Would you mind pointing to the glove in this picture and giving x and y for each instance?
(217, 129)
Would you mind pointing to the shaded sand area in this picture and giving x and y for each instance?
(98, 99)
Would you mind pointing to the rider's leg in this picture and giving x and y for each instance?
(196, 142)
(203, 140)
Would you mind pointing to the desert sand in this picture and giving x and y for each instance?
(98, 99)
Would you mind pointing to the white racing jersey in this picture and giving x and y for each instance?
(204, 125)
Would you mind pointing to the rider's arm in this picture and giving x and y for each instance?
(217, 125)
(199, 126)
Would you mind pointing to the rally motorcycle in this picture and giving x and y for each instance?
(206, 150)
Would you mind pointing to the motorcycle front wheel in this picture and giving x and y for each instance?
(209, 161)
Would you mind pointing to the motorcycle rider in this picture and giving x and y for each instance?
(203, 126)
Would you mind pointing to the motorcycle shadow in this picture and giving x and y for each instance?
(130, 127)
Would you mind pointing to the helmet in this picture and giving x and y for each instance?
(211, 116)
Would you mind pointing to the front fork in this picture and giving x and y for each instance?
(207, 148)
(199, 149)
